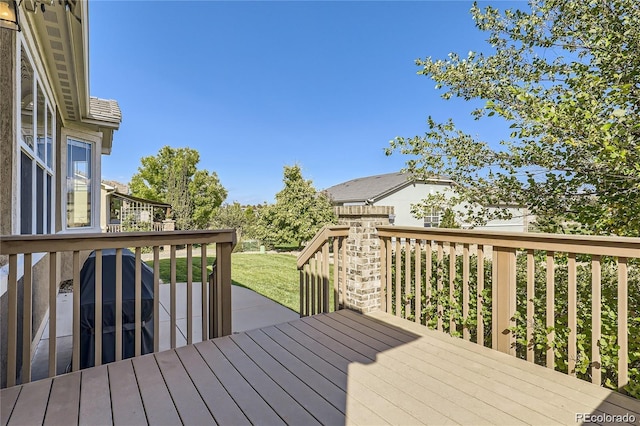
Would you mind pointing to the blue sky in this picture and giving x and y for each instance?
(255, 86)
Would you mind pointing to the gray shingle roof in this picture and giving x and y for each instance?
(105, 110)
(371, 187)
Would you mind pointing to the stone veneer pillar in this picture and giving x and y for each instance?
(363, 255)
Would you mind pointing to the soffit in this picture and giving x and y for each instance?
(60, 37)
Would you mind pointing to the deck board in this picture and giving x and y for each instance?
(7, 402)
(95, 400)
(62, 407)
(157, 401)
(338, 368)
(126, 401)
(222, 406)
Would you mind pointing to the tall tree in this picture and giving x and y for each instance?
(298, 213)
(172, 177)
(565, 74)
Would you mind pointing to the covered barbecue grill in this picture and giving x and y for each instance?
(87, 307)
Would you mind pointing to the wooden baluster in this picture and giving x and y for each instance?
(118, 304)
(418, 283)
(189, 295)
(204, 282)
(138, 303)
(389, 279)
(572, 321)
(596, 320)
(173, 310)
(156, 298)
(325, 277)
(97, 326)
(531, 294)
(623, 327)
(465, 291)
(27, 309)
(75, 358)
(452, 286)
(12, 323)
(53, 304)
(439, 284)
(479, 296)
(336, 293)
(407, 277)
(398, 277)
(343, 275)
(427, 278)
(550, 319)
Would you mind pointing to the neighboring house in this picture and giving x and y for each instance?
(52, 132)
(400, 191)
(124, 212)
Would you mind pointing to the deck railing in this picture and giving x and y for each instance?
(315, 271)
(216, 301)
(525, 294)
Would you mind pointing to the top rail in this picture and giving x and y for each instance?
(319, 239)
(17, 244)
(584, 244)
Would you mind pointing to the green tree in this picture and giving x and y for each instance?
(565, 74)
(235, 216)
(298, 213)
(172, 177)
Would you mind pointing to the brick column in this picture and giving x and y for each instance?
(363, 254)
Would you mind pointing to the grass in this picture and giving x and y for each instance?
(273, 275)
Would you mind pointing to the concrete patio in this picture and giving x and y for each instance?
(250, 311)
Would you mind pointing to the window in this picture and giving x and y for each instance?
(433, 218)
(79, 183)
(37, 146)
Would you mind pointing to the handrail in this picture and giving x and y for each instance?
(585, 244)
(319, 239)
(15, 244)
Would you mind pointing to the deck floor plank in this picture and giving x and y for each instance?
(126, 403)
(8, 400)
(282, 403)
(355, 411)
(305, 395)
(325, 388)
(95, 401)
(338, 368)
(31, 405)
(191, 408)
(62, 408)
(245, 396)
(158, 404)
(222, 406)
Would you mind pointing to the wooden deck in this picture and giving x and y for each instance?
(338, 368)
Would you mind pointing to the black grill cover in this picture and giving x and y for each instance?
(87, 307)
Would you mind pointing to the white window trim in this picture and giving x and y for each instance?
(95, 139)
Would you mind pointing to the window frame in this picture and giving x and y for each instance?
(49, 115)
(94, 140)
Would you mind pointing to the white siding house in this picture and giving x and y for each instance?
(399, 191)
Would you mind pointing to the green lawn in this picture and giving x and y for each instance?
(273, 275)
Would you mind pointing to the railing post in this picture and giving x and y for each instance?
(504, 299)
(363, 263)
(223, 278)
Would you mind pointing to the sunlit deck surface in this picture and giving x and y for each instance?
(331, 369)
